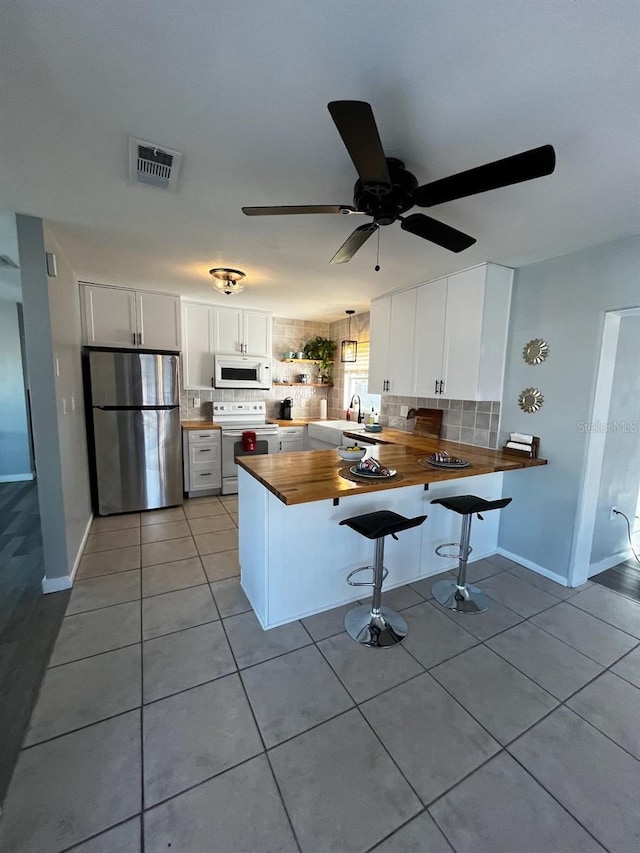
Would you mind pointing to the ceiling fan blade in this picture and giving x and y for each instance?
(437, 232)
(511, 170)
(284, 210)
(357, 127)
(353, 242)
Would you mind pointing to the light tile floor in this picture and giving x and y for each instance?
(168, 720)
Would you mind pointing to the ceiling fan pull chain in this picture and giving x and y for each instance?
(377, 266)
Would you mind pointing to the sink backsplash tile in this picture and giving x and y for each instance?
(467, 421)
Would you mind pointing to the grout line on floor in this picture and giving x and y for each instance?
(553, 797)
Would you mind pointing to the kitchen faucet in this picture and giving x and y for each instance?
(360, 415)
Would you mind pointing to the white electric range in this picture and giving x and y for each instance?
(236, 419)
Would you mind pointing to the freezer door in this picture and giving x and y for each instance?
(133, 379)
(138, 459)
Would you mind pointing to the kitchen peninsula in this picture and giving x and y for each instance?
(295, 557)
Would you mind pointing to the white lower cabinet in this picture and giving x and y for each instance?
(292, 438)
(202, 461)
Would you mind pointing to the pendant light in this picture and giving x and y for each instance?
(227, 280)
(349, 348)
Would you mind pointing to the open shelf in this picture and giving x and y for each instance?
(305, 384)
(302, 360)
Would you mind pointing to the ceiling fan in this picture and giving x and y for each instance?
(385, 190)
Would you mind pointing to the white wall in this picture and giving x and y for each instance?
(52, 333)
(562, 300)
(15, 456)
(66, 334)
(620, 478)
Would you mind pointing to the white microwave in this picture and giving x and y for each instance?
(241, 371)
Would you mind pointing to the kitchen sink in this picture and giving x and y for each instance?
(343, 426)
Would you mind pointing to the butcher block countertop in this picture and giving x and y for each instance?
(295, 422)
(297, 478)
(199, 425)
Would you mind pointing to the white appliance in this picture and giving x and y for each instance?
(241, 371)
(235, 419)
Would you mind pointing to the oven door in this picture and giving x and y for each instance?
(266, 442)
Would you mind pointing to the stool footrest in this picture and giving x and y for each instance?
(454, 556)
(385, 572)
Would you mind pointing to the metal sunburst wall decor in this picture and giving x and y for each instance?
(535, 351)
(530, 400)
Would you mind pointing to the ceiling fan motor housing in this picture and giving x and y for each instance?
(383, 202)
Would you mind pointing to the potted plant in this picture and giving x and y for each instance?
(322, 350)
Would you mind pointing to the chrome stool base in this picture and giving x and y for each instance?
(378, 629)
(463, 599)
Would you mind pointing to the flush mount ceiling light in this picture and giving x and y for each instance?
(349, 348)
(227, 280)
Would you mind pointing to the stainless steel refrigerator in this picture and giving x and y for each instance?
(136, 430)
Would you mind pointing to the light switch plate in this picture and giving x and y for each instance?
(196, 402)
(404, 411)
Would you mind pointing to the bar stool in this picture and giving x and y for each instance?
(375, 625)
(459, 595)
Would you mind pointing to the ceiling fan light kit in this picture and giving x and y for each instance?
(385, 189)
(227, 280)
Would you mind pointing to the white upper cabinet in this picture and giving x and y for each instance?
(256, 328)
(109, 316)
(391, 350)
(210, 329)
(431, 312)
(197, 345)
(446, 338)
(158, 320)
(379, 335)
(121, 317)
(228, 330)
(238, 331)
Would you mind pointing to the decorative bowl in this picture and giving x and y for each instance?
(351, 452)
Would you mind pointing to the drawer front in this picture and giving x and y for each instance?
(205, 480)
(291, 432)
(203, 436)
(202, 454)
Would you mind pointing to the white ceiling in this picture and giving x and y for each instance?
(241, 87)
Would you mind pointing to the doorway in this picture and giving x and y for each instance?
(612, 470)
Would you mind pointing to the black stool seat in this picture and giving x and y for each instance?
(470, 504)
(375, 525)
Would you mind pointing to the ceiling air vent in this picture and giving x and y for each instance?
(153, 165)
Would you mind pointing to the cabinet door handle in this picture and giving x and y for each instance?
(436, 388)
(133, 338)
(140, 338)
(205, 475)
(441, 386)
(205, 450)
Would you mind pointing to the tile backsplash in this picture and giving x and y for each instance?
(288, 335)
(467, 421)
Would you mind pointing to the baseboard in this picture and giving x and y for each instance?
(66, 581)
(16, 478)
(529, 564)
(609, 562)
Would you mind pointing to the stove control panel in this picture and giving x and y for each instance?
(255, 408)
